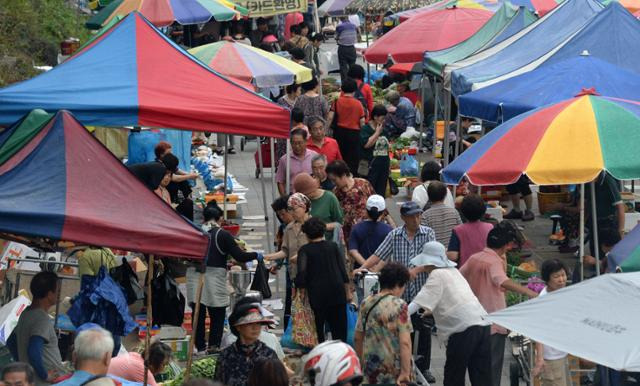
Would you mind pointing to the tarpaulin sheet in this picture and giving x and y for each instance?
(63, 184)
(550, 84)
(526, 48)
(133, 75)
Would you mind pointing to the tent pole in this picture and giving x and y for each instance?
(194, 325)
(422, 112)
(147, 337)
(456, 151)
(435, 116)
(594, 221)
(273, 197)
(224, 196)
(581, 241)
(447, 121)
(264, 197)
(288, 170)
(316, 17)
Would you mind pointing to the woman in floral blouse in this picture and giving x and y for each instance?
(383, 331)
(352, 193)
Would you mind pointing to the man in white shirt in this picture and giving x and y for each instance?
(458, 315)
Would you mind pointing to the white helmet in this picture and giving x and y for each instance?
(332, 363)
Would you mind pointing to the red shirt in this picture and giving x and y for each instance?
(412, 96)
(349, 111)
(329, 148)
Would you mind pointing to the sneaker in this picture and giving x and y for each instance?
(528, 216)
(429, 377)
(513, 215)
(232, 150)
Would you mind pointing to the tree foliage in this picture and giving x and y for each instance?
(31, 32)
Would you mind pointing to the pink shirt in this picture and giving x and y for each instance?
(472, 237)
(293, 18)
(130, 366)
(485, 273)
(297, 165)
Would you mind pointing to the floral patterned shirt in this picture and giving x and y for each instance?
(387, 319)
(353, 203)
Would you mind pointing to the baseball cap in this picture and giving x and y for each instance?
(376, 201)
(474, 129)
(433, 253)
(410, 208)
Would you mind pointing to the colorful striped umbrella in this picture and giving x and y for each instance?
(626, 254)
(570, 142)
(163, 13)
(632, 6)
(250, 64)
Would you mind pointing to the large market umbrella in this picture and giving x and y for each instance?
(133, 75)
(549, 84)
(163, 13)
(378, 7)
(569, 142)
(596, 319)
(251, 64)
(58, 182)
(430, 31)
(333, 7)
(632, 6)
(625, 256)
(488, 5)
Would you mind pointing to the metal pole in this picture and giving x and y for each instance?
(456, 151)
(422, 112)
(447, 120)
(288, 170)
(594, 222)
(224, 196)
(316, 17)
(582, 232)
(194, 326)
(435, 115)
(264, 197)
(147, 337)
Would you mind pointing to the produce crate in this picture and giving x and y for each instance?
(546, 200)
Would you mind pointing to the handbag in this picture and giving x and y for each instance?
(352, 321)
(363, 168)
(303, 329)
(393, 187)
(261, 280)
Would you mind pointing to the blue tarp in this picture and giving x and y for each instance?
(549, 33)
(550, 84)
(142, 144)
(521, 20)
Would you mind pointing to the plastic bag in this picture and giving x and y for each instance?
(304, 324)
(128, 280)
(408, 166)
(168, 301)
(286, 340)
(352, 320)
(261, 280)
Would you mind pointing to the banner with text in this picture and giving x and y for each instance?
(272, 7)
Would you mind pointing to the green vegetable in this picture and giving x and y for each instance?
(202, 368)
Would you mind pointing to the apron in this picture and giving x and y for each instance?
(214, 291)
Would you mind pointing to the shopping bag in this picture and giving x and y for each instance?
(261, 280)
(286, 340)
(352, 320)
(303, 321)
(408, 166)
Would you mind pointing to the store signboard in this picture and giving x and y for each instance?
(265, 8)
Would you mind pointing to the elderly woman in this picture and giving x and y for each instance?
(293, 238)
(215, 296)
(352, 193)
(311, 102)
(236, 361)
(322, 274)
(324, 204)
(430, 172)
(383, 332)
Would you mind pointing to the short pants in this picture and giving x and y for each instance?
(521, 186)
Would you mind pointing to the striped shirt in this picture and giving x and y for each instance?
(441, 219)
(397, 247)
(346, 34)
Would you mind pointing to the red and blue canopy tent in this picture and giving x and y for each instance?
(133, 75)
(58, 182)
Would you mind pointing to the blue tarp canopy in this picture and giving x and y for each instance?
(525, 50)
(549, 84)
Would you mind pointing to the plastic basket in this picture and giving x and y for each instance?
(546, 200)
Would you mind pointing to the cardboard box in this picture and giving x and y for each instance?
(180, 347)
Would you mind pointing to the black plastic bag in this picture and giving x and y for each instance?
(168, 301)
(261, 280)
(128, 280)
(393, 188)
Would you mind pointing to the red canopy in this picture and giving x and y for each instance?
(429, 31)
